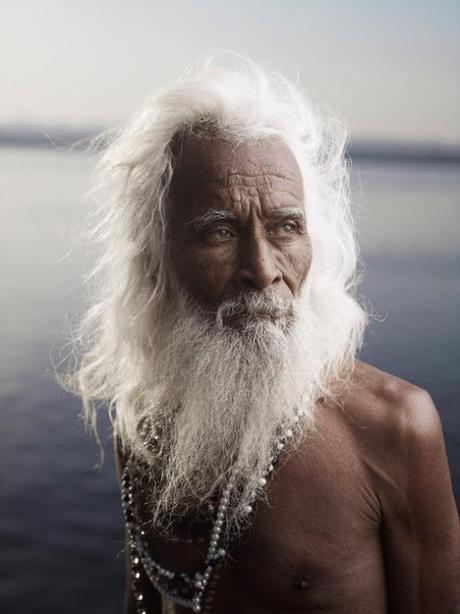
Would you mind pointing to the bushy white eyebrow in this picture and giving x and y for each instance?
(296, 213)
(212, 216)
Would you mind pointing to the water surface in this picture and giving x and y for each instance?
(60, 520)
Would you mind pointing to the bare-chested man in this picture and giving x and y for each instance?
(263, 468)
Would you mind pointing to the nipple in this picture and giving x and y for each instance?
(301, 583)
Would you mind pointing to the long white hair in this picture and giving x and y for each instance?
(130, 285)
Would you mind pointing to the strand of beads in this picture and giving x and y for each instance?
(198, 583)
(159, 576)
(127, 501)
(281, 442)
(215, 553)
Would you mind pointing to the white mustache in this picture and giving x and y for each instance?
(255, 305)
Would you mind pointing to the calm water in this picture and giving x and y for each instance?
(60, 521)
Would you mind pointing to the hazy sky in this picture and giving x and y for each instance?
(391, 68)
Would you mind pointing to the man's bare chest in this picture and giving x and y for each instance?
(313, 544)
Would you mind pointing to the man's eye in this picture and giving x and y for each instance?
(285, 228)
(289, 227)
(219, 234)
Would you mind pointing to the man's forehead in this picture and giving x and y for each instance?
(215, 164)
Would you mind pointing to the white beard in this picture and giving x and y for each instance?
(221, 397)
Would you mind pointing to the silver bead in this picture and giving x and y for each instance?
(221, 552)
(140, 597)
(262, 481)
(289, 433)
(280, 445)
(270, 467)
(248, 509)
(197, 607)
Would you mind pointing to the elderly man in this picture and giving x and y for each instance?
(263, 468)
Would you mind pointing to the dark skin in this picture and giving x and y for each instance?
(361, 516)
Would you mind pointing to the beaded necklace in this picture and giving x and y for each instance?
(184, 589)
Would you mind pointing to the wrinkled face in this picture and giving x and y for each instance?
(238, 220)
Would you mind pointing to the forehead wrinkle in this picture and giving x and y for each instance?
(260, 179)
(229, 177)
(229, 186)
(236, 197)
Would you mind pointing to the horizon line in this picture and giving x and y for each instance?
(364, 147)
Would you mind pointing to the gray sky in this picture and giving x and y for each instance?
(391, 68)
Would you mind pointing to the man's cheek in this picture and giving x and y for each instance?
(296, 265)
(303, 258)
(208, 276)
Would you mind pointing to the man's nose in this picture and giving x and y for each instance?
(257, 265)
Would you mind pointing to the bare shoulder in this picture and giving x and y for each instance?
(396, 431)
(386, 409)
(398, 434)
(398, 437)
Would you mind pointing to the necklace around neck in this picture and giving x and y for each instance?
(185, 589)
